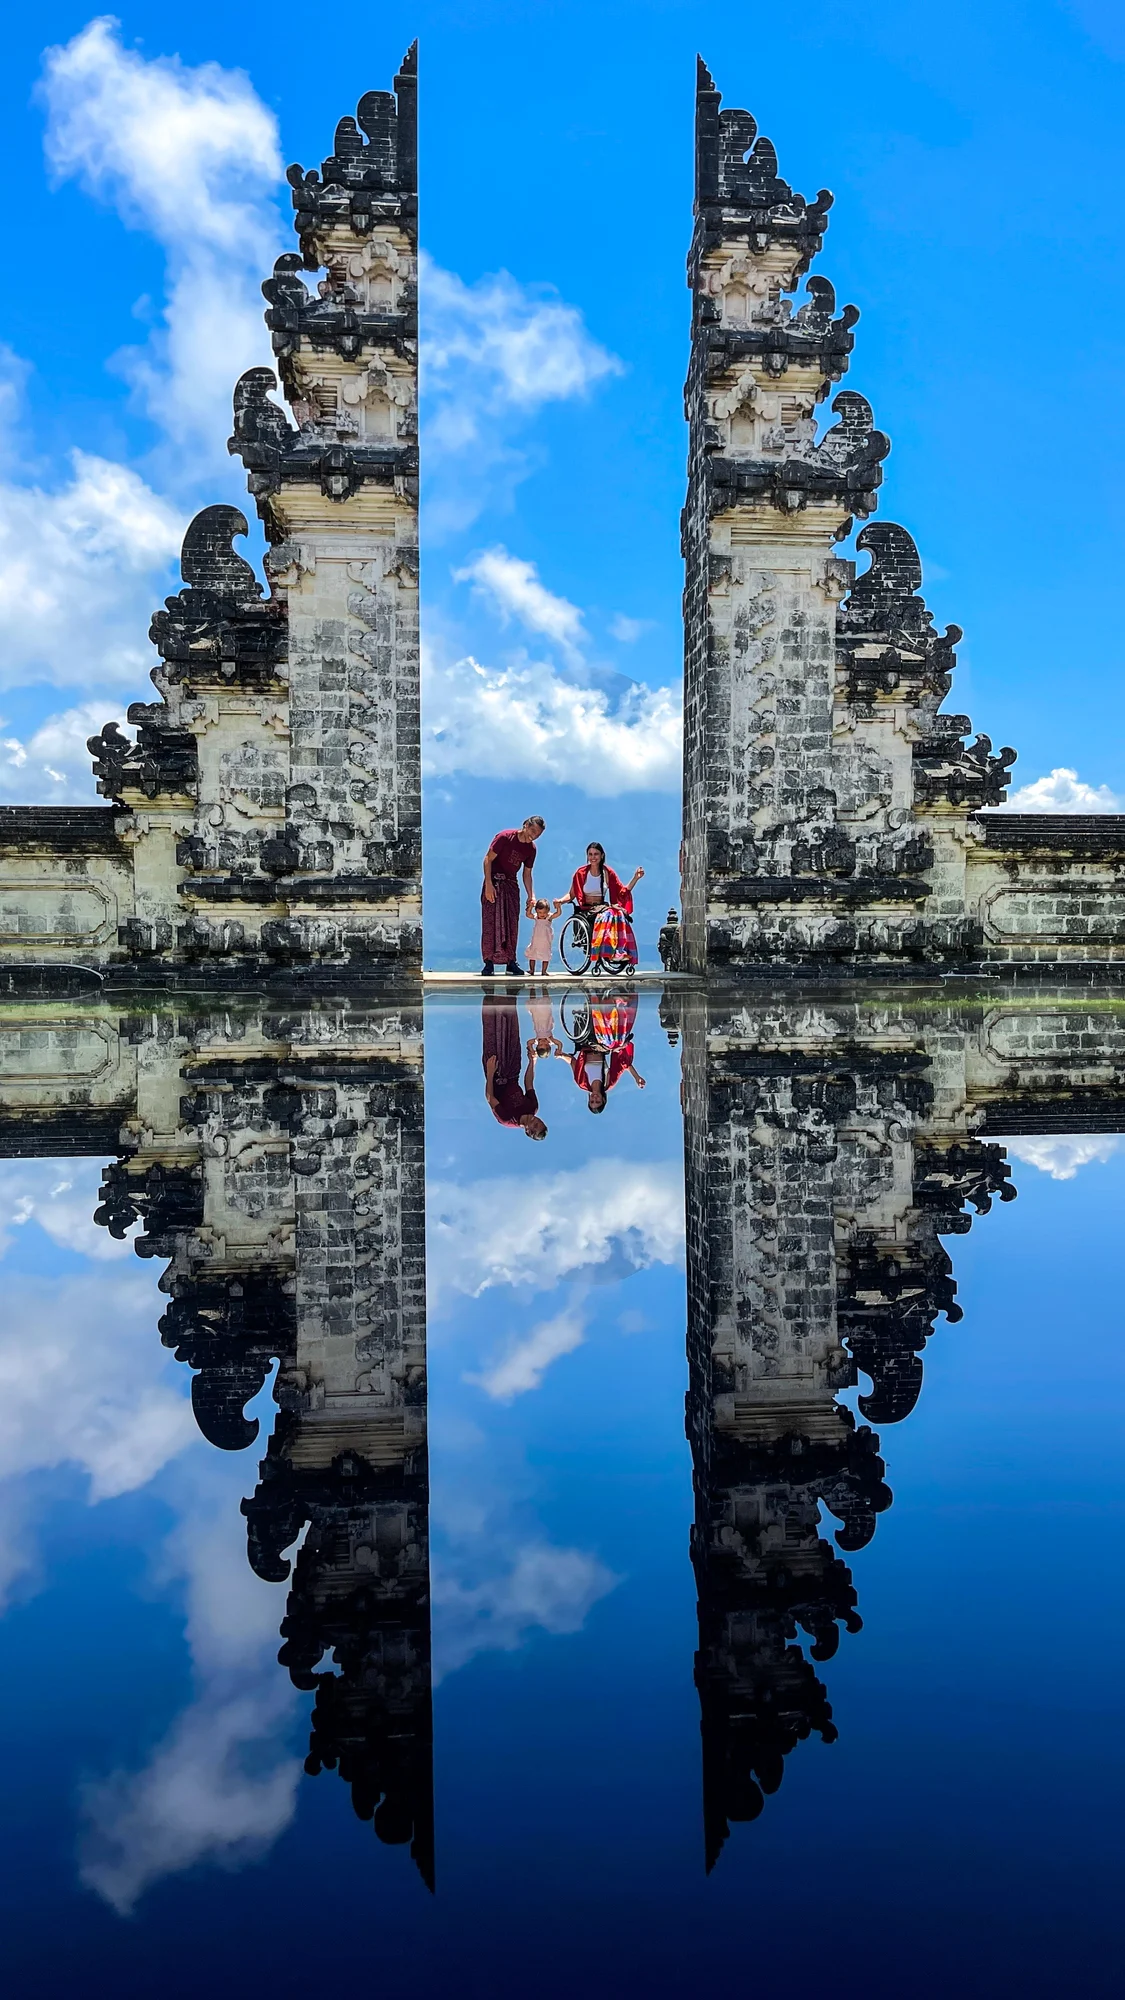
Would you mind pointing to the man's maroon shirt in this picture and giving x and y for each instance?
(510, 853)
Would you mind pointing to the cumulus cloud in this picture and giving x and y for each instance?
(527, 1360)
(52, 765)
(1063, 791)
(544, 1588)
(493, 353)
(628, 630)
(191, 155)
(527, 719)
(222, 1785)
(1061, 1157)
(83, 1380)
(60, 1196)
(81, 572)
(556, 1226)
(513, 589)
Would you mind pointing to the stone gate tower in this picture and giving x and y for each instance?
(832, 809)
(268, 815)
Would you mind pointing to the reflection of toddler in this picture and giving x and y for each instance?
(542, 936)
(544, 1040)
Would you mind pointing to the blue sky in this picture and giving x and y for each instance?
(976, 157)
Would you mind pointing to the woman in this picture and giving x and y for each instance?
(598, 891)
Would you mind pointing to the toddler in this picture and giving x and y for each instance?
(542, 935)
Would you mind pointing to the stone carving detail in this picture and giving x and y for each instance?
(161, 760)
(739, 191)
(846, 466)
(371, 174)
(274, 452)
(218, 628)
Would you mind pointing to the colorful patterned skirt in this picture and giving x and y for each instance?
(612, 1020)
(612, 942)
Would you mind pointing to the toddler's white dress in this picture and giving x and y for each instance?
(542, 940)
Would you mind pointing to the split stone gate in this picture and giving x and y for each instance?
(265, 820)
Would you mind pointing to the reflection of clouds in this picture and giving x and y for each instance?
(217, 1789)
(81, 1380)
(538, 1229)
(1060, 1156)
(61, 1196)
(544, 1588)
(525, 1363)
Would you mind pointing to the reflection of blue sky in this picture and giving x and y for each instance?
(95, 1419)
(551, 1271)
(151, 1744)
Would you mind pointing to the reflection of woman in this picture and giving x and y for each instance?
(607, 1050)
(598, 891)
(510, 1101)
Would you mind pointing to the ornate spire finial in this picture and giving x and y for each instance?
(738, 190)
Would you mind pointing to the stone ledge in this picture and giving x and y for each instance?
(818, 889)
(1087, 833)
(62, 829)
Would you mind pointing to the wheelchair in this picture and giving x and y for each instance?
(574, 948)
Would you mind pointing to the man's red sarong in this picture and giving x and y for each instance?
(500, 921)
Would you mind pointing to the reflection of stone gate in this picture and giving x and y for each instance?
(276, 1162)
(831, 1143)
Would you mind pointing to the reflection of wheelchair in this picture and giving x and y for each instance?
(574, 947)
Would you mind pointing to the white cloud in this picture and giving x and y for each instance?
(1062, 1157)
(221, 1786)
(191, 156)
(1063, 791)
(493, 353)
(555, 1226)
(527, 720)
(513, 588)
(526, 1362)
(81, 572)
(60, 1196)
(83, 1380)
(545, 1588)
(53, 765)
(628, 630)
(198, 1799)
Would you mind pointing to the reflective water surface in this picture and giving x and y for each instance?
(596, 1494)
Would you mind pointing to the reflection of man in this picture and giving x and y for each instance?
(500, 899)
(510, 1101)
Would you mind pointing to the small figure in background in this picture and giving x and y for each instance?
(542, 942)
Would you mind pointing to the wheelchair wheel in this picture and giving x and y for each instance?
(574, 944)
(574, 1013)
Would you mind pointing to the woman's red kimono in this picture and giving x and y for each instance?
(612, 937)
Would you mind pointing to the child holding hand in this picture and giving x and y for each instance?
(542, 935)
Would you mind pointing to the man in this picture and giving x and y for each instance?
(500, 899)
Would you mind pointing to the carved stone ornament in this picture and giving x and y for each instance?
(219, 627)
(274, 452)
(372, 171)
(738, 190)
(845, 467)
(885, 634)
